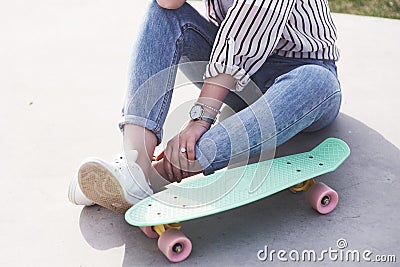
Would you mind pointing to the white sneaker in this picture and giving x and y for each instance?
(117, 185)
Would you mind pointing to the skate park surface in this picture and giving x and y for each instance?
(64, 68)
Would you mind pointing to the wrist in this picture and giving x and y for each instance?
(204, 124)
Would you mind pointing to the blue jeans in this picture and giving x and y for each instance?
(295, 95)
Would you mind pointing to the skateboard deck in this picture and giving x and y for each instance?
(228, 189)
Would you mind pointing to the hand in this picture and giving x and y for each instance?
(178, 164)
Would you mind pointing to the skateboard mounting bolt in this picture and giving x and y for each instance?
(325, 200)
(177, 248)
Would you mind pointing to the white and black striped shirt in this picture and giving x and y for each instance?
(252, 30)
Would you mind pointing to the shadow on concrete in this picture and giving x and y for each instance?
(367, 215)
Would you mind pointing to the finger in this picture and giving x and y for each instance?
(190, 149)
(189, 155)
(175, 165)
(184, 165)
(182, 156)
(183, 162)
(167, 165)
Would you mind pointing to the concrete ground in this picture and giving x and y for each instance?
(63, 71)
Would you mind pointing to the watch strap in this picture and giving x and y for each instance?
(207, 118)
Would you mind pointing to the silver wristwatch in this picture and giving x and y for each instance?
(198, 113)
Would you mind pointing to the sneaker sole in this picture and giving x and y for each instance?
(101, 186)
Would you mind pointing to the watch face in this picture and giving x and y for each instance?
(196, 112)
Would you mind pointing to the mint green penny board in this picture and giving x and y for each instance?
(228, 189)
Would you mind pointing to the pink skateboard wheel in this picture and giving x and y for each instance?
(322, 198)
(175, 245)
(148, 231)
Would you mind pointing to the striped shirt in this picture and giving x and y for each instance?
(252, 30)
